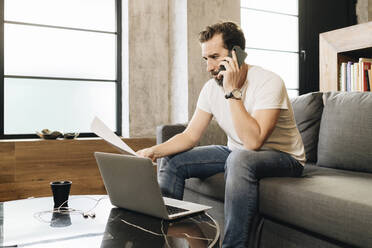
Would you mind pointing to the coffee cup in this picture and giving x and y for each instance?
(61, 191)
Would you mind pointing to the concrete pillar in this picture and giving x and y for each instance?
(148, 66)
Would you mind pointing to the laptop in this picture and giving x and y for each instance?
(131, 184)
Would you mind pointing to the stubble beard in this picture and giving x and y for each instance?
(219, 81)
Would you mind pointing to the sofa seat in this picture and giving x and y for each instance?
(213, 187)
(332, 203)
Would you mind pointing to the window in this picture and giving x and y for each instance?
(271, 32)
(60, 66)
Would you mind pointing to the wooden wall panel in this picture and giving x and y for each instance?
(7, 163)
(27, 167)
(80, 186)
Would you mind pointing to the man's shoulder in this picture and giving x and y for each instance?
(259, 76)
(261, 73)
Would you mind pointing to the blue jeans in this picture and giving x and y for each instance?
(243, 170)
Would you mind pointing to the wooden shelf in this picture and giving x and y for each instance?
(342, 45)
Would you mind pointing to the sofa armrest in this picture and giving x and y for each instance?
(165, 132)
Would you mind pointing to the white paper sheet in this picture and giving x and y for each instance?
(99, 128)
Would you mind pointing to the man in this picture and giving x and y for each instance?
(263, 140)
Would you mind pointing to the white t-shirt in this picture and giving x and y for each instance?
(262, 90)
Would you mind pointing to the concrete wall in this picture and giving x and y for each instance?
(200, 15)
(364, 10)
(165, 69)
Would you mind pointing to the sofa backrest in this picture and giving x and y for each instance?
(345, 135)
(308, 110)
(214, 135)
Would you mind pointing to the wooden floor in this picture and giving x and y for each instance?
(27, 167)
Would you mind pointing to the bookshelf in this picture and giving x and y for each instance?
(342, 45)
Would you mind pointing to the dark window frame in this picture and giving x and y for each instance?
(315, 18)
(118, 81)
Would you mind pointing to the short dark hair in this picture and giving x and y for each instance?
(232, 34)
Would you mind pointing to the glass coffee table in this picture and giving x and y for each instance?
(93, 222)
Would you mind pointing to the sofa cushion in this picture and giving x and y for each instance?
(213, 186)
(308, 110)
(345, 136)
(330, 202)
(274, 234)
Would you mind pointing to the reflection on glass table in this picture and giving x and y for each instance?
(91, 221)
(126, 228)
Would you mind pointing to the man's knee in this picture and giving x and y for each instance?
(166, 177)
(171, 165)
(164, 162)
(242, 163)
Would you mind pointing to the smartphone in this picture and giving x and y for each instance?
(240, 56)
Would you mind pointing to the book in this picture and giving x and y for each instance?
(358, 85)
(356, 77)
(370, 79)
(352, 77)
(365, 59)
(348, 76)
(360, 75)
(342, 83)
(365, 65)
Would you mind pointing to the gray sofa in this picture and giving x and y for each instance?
(331, 204)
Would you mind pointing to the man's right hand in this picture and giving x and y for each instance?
(148, 153)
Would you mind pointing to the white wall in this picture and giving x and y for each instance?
(178, 60)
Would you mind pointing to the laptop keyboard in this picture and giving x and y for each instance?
(175, 210)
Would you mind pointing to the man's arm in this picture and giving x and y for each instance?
(183, 141)
(253, 129)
